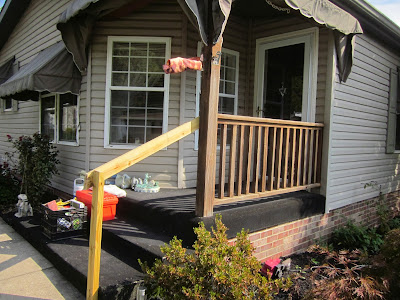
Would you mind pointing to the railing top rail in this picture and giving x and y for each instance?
(134, 156)
(235, 118)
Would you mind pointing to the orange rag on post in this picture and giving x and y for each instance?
(180, 64)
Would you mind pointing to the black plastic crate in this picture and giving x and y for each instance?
(65, 223)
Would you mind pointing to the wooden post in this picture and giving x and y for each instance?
(206, 166)
(96, 223)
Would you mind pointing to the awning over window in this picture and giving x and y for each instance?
(52, 70)
(6, 70)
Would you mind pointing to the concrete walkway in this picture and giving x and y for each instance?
(26, 274)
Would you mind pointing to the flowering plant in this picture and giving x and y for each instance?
(35, 160)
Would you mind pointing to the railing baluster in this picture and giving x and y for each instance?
(279, 163)
(299, 156)
(293, 156)
(286, 154)
(310, 160)
(232, 162)
(265, 160)
(272, 165)
(222, 162)
(316, 155)
(285, 169)
(258, 156)
(240, 162)
(249, 158)
(305, 156)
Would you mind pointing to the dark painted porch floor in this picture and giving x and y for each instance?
(147, 221)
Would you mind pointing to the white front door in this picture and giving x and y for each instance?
(286, 69)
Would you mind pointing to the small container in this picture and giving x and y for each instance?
(110, 202)
(78, 185)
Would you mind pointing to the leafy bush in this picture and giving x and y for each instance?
(352, 236)
(9, 187)
(215, 270)
(391, 254)
(35, 160)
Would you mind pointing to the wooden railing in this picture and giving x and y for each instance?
(96, 179)
(262, 157)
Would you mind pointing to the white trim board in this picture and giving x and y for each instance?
(310, 39)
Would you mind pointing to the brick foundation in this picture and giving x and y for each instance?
(297, 236)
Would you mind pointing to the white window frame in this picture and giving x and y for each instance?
(109, 87)
(310, 39)
(198, 89)
(57, 119)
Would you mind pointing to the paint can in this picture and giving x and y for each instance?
(78, 185)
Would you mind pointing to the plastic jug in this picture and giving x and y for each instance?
(78, 185)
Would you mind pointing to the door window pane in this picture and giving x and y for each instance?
(283, 82)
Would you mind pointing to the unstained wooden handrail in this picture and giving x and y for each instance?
(96, 179)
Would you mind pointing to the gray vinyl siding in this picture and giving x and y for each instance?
(359, 128)
(160, 19)
(235, 38)
(35, 32)
(241, 35)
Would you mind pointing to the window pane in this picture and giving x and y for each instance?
(157, 49)
(156, 99)
(48, 120)
(119, 116)
(155, 64)
(119, 98)
(152, 133)
(226, 105)
(118, 134)
(156, 80)
(119, 79)
(230, 74)
(121, 49)
(154, 117)
(397, 147)
(7, 104)
(136, 135)
(68, 115)
(230, 60)
(139, 49)
(138, 64)
(230, 88)
(137, 99)
(138, 80)
(120, 63)
(137, 117)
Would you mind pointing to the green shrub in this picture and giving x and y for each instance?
(9, 188)
(352, 236)
(215, 270)
(391, 254)
(35, 160)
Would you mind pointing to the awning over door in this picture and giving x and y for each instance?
(52, 70)
(6, 70)
(77, 21)
(322, 11)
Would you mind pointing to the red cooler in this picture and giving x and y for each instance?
(109, 203)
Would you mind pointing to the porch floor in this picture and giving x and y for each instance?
(146, 221)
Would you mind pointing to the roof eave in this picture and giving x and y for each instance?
(10, 16)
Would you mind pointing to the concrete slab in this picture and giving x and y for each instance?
(26, 274)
